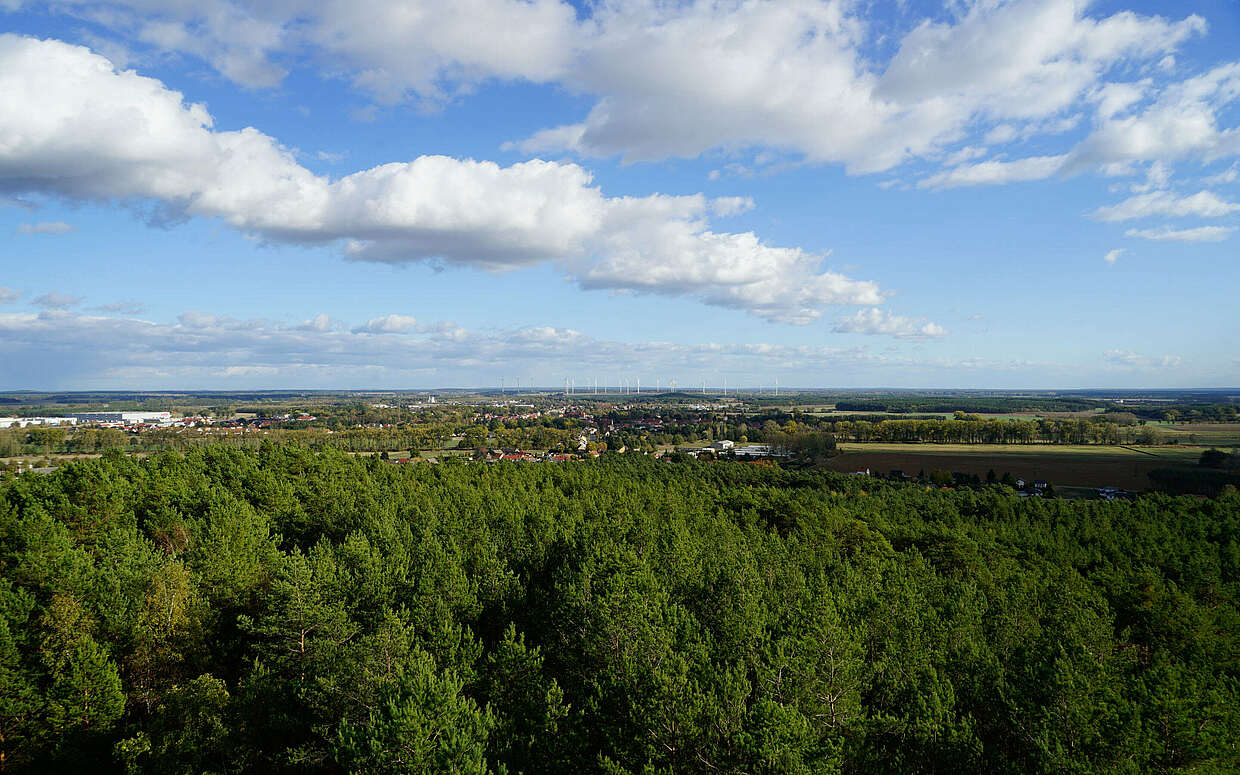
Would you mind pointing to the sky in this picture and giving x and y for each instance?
(369, 194)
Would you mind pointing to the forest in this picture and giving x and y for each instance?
(282, 609)
(1184, 412)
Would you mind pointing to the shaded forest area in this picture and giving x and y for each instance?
(281, 610)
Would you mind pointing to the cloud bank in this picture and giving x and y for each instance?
(952, 97)
(76, 128)
(1132, 360)
(64, 349)
(826, 80)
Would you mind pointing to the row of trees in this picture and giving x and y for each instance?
(284, 610)
(977, 431)
(963, 429)
(987, 405)
(51, 440)
(1217, 412)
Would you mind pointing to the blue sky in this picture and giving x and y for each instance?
(986, 194)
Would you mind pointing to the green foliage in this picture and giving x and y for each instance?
(1217, 458)
(83, 696)
(187, 733)
(284, 610)
(421, 723)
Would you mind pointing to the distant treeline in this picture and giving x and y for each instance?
(769, 427)
(992, 431)
(874, 418)
(997, 405)
(1184, 412)
(285, 611)
(48, 440)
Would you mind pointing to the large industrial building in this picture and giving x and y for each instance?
(22, 422)
(128, 418)
(124, 418)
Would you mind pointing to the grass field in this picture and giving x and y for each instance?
(1087, 466)
(1218, 434)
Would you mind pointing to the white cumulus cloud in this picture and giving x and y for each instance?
(877, 321)
(679, 78)
(76, 128)
(1198, 234)
(995, 172)
(1183, 122)
(1133, 360)
(825, 81)
(1203, 204)
(388, 324)
(320, 322)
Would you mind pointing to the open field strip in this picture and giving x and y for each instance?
(1078, 466)
(1173, 451)
(1216, 434)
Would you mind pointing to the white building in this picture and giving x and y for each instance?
(128, 418)
(759, 450)
(22, 422)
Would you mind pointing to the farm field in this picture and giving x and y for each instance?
(1219, 434)
(1084, 466)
